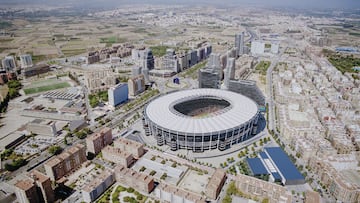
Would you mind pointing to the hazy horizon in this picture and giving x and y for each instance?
(303, 4)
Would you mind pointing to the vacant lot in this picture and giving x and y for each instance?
(45, 85)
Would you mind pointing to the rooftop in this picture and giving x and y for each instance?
(25, 184)
(283, 163)
(242, 110)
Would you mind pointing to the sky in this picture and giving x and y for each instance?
(310, 4)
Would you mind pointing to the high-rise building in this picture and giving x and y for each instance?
(118, 94)
(257, 47)
(247, 88)
(170, 61)
(8, 63)
(183, 61)
(239, 44)
(229, 73)
(99, 140)
(208, 78)
(147, 59)
(135, 71)
(26, 61)
(136, 85)
(192, 57)
(214, 64)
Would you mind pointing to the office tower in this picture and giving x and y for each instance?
(208, 78)
(229, 72)
(135, 71)
(249, 89)
(239, 44)
(214, 64)
(148, 59)
(118, 94)
(170, 61)
(201, 53)
(26, 61)
(193, 58)
(136, 85)
(183, 61)
(8, 63)
(257, 47)
(208, 50)
(145, 72)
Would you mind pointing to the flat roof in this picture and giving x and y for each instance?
(241, 110)
(283, 163)
(256, 166)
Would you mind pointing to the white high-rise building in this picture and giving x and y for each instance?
(229, 73)
(8, 63)
(214, 64)
(257, 47)
(274, 48)
(118, 94)
(26, 61)
(239, 44)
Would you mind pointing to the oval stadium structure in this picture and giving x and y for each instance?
(201, 119)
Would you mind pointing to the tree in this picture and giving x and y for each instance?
(54, 149)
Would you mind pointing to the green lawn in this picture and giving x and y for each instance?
(262, 67)
(46, 88)
(344, 63)
(159, 51)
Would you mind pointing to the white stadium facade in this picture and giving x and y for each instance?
(201, 119)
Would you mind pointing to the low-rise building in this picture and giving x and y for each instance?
(173, 194)
(42, 127)
(98, 140)
(133, 147)
(136, 85)
(131, 178)
(262, 189)
(117, 156)
(36, 188)
(97, 186)
(64, 163)
(215, 184)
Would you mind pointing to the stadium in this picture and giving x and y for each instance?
(201, 119)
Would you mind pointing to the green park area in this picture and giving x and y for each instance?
(95, 99)
(262, 67)
(159, 51)
(344, 63)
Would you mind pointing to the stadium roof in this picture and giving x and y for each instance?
(242, 110)
(283, 163)
(256, 166)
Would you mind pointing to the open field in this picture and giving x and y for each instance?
(45, 85)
